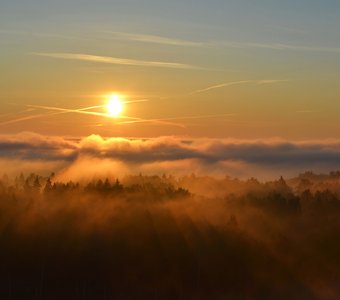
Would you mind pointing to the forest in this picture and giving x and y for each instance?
(167, 237)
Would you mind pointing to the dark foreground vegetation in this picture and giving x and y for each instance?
(170, 238)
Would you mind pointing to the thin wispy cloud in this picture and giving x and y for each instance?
(278, 46)
(154, 39)
(147, 38)
(309, 48)
(240, 82)
(163, 40)
(116, 60)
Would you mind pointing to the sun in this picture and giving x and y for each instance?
(114, 106)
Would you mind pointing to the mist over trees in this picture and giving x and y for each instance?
(166, 237)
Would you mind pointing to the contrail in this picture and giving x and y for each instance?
(28, 118)
(222, 85)
(135, 101)
(60, 111)
(17, 120)
(17, 113)
(83, 111)
(226, 84)
(133, 120)
(21, 119)
(218, 86)
(102, 106)
(86, 112)
(178, 118)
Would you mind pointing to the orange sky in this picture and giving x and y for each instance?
(231, 69)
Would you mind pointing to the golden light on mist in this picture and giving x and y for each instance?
(114, 106)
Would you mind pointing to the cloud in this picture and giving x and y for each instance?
(33, 147)
(240, 82)
(155, 39)
(279, 46)
(95, 155)
(115, 60)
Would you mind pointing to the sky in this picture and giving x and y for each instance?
(240, 69)
(212, 88)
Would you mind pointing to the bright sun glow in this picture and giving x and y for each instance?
(114, 106)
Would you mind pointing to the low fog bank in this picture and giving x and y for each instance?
(167, 237)
(80, 159)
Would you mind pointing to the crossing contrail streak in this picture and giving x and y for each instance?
(32, 117)
(92, 113)
(83, 111)
(87, 111)
(22, 119)
(177, 118)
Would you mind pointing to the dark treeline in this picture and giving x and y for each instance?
(161, 237)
